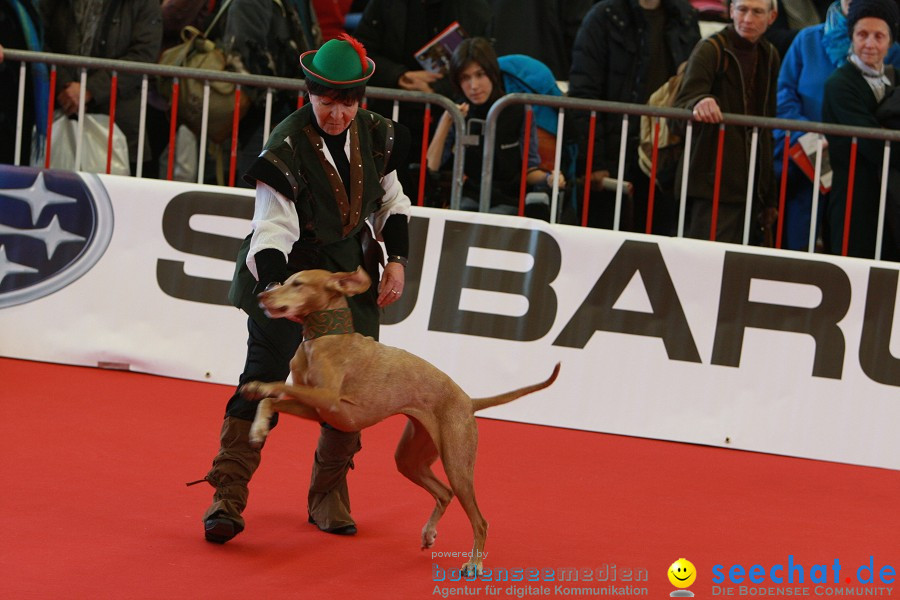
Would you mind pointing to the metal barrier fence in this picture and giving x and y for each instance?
(563, 104)
(240, 80)
(756, 123)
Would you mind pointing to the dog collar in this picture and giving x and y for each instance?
(327, 322)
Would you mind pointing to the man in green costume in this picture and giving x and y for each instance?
(325, 169)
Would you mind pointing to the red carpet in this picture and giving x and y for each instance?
(95, 506)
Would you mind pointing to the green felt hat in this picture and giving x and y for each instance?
(339, 63)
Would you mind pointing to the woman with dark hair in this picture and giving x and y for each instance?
(475, 74)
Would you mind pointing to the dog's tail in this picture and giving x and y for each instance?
(482, 403)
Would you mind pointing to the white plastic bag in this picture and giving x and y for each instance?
(93, 148)
(187, 149)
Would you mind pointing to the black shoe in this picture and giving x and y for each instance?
(342, 530)
(219, 530)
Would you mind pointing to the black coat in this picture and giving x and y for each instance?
(609, 63)
(709, 74)
(849, 100)
(128, 30)
(392, 34)
(385, 30)
(542, 29)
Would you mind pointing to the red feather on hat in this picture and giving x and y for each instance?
(357, 45)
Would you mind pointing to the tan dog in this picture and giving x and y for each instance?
(351, 382)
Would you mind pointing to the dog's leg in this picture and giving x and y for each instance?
(415, 454)
(459, 440)
(318, 398)
(267, 407)
(260, 427)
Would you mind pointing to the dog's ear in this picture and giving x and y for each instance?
(350, 284)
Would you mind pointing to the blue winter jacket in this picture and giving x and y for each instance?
(801, 81)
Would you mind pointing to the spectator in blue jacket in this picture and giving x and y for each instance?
(814, 55)
(21, 27)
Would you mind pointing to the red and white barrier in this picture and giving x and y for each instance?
(674, 339)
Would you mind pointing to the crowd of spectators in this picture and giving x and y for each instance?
(756, 57)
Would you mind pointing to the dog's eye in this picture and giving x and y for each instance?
(296, 284)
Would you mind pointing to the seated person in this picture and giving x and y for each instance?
(475, 73)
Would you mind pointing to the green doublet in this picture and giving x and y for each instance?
(332, 218)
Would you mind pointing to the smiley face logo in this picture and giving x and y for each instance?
(682, 573)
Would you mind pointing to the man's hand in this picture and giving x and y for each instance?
(599, 183)
(768, 216)
(391, 286)
(68, 98)
(447, 118)
(708, 111)
(418, 81)
(558, 176)
(597, 178)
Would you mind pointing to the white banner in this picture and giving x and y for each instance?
(673, 339)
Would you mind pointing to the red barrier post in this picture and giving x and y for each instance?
(113, 85)
(173, 120)
(525, 149)
(850, 182)
(426, 126)
(236, 120)
(783, 194)
(50, 108)
(653, 161)
(718, 184)
(589, 167)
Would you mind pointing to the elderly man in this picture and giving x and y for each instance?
(325, 170)
(732, 71)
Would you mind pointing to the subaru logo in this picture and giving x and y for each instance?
(54, 227)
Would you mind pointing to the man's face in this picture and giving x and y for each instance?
(333, 116)
(751, 18)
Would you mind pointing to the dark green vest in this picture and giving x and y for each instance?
(332, 218)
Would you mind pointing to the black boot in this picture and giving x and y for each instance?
(329, 499)
(230, 474)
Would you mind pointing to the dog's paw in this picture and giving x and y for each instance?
(255, 390)
(471, 570)
(428, 536)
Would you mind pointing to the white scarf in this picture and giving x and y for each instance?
(877, 80)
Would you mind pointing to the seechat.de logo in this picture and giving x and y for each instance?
(682, 575)
(54, 226)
